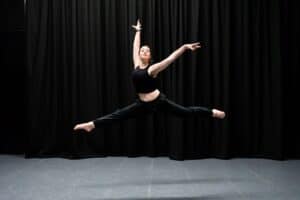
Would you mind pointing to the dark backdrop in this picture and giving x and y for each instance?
(79, 60)
(12, 77)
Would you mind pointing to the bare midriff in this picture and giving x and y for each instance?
(150, 96)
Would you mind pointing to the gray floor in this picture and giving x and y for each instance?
(147, 178)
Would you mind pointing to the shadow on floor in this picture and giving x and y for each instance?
(167, 182)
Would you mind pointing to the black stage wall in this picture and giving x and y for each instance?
(79, 63)
(12, 81)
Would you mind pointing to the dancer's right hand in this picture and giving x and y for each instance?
(138, 26)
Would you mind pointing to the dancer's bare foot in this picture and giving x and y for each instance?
(88, 126)
(218, 114)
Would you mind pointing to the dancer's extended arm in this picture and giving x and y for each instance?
(137, 43)
(160, 66)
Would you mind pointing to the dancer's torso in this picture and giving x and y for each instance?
(145, 85)
(149, 96)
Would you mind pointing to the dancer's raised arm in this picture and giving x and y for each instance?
(137, 43)
(160, 66)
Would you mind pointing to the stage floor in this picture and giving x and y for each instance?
(147, 178)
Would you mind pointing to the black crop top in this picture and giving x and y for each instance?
(142, 81)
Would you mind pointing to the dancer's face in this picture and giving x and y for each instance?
(145, 54)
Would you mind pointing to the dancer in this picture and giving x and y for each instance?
(150, 99)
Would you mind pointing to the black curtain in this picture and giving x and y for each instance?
(79, 60)
(290, 53)
(12, 76)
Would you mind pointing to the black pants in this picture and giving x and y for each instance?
(161, 103)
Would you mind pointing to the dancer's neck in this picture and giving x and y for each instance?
(143, 65)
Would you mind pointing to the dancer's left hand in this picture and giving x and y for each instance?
(193, 46)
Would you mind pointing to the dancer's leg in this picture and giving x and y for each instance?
(181, 111)
(130, 111)
(127, 112)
